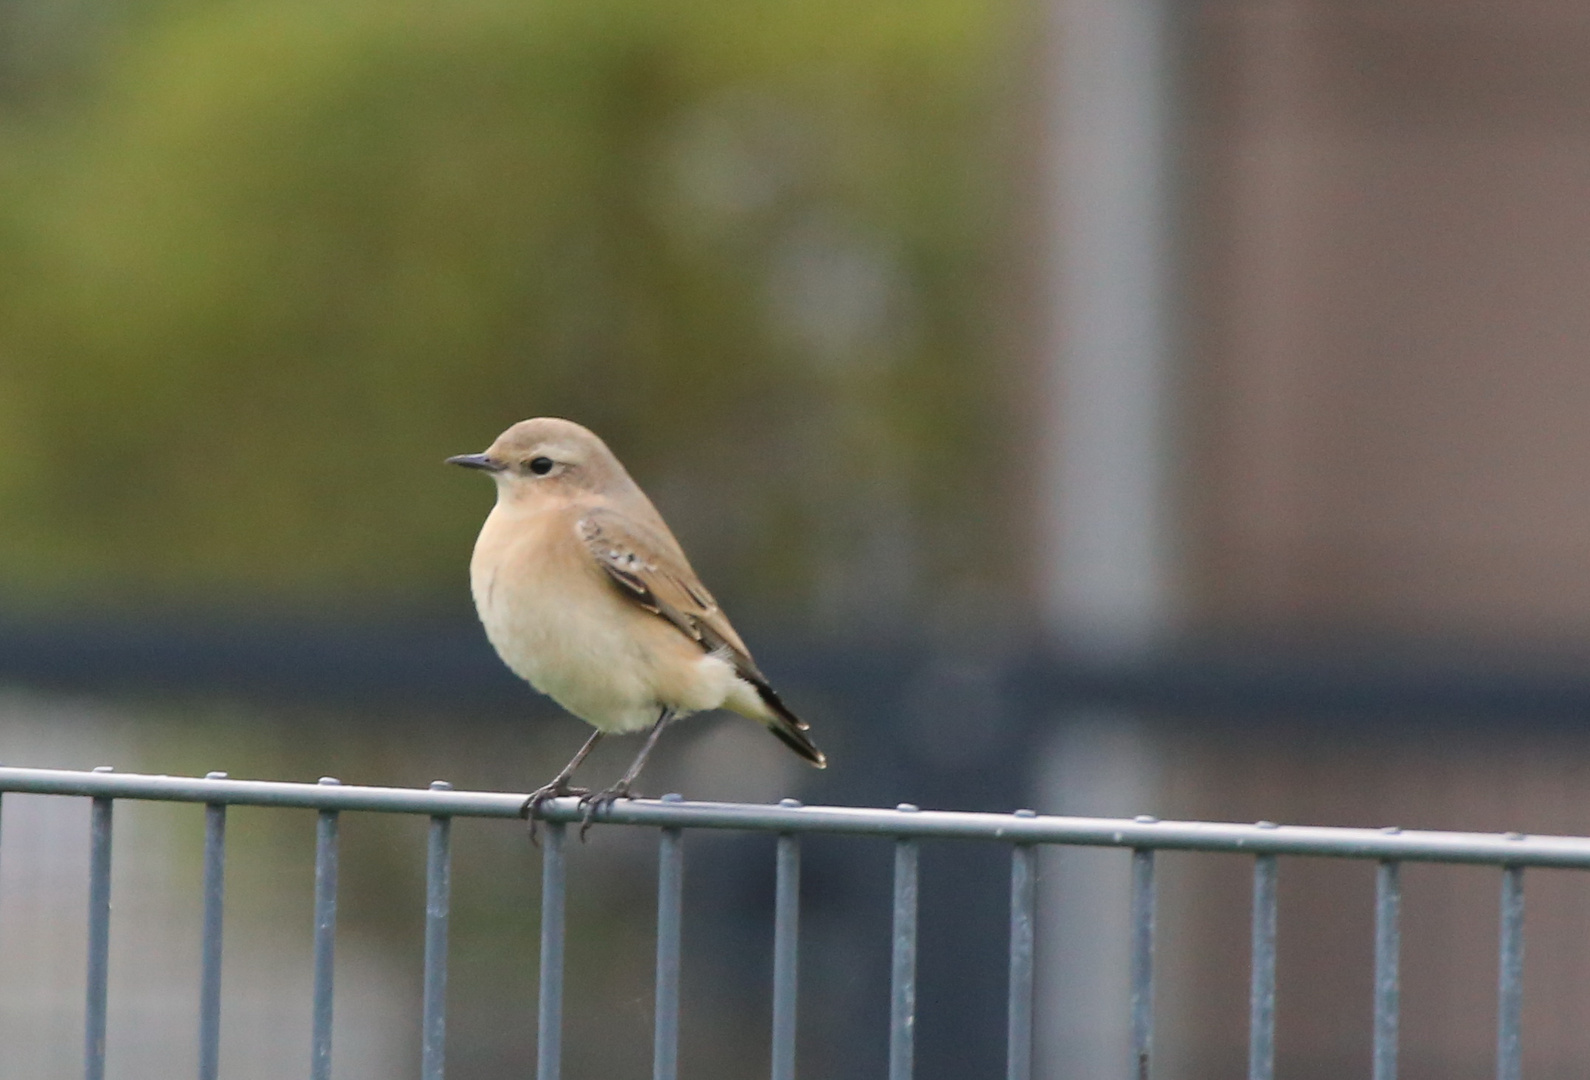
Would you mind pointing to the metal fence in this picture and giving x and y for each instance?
(1024, 831)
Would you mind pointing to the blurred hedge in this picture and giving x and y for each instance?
(268, 261)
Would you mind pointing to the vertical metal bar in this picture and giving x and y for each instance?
(210, 942)
(1023, 905)
(1142, 999)
(98, 938)
(325, 939)
(438, 896)
(1261, 1030)
(786, 940)
(670, 920)
(1388, 953)
(902, 1002)
(1510, 988)
(549, 1029)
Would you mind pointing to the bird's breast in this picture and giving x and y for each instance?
(558, 623)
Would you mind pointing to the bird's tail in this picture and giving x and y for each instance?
(790, 729)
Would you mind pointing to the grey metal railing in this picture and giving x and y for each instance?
(789, 821)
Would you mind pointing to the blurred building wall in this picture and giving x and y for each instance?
(1389, 259)
(1385, 390)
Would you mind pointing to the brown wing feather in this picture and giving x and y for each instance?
(650, 569)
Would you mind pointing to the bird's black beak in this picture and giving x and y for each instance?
(477, 461)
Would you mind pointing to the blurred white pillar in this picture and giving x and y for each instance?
(1099, 765)
(1106, 450)
(1107, 523)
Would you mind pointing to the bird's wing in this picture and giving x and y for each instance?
(649, 568)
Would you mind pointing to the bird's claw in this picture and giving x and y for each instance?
(599, 802)
(531, 809)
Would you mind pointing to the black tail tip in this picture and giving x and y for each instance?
(797, 741)
(790, 729)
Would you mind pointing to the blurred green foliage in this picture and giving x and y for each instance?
(263, 263)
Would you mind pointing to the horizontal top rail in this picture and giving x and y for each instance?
(1506, 849)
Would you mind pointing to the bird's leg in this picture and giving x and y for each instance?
(603, 799)
(559, 785)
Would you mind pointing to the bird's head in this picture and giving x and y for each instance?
(548, 456)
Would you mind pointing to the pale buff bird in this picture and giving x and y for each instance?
(585, 593)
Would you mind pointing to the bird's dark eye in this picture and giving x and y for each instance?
(541, 465)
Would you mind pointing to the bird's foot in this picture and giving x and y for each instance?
(599, 802)
(531, 809)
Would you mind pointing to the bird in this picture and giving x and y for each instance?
(586, 595)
